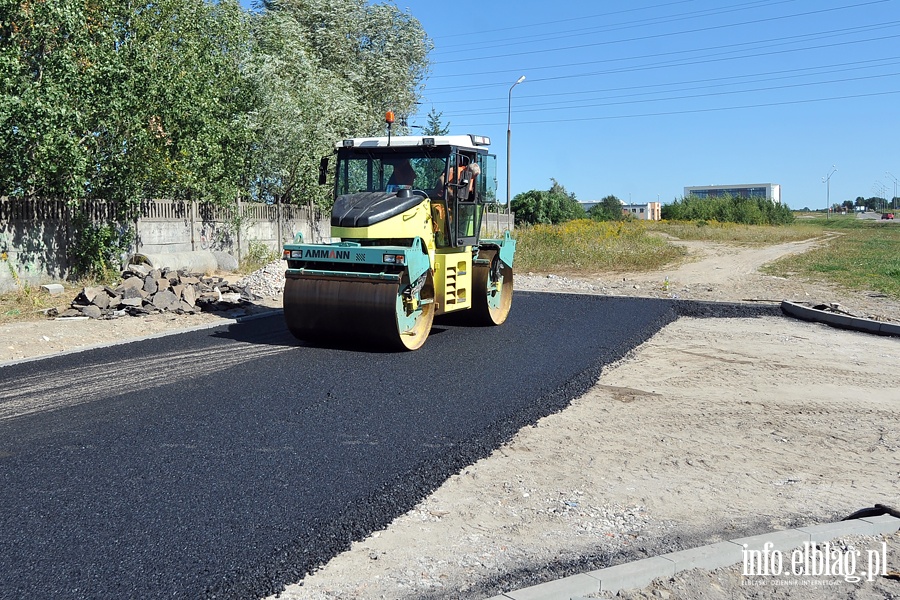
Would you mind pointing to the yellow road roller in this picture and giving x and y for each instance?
(405, 244)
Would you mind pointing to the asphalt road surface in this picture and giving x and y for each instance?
(227, 462)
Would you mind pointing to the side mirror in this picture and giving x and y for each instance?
(323, 170)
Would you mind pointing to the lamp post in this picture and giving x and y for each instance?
(882, 189)
(895, 188)
(827, 181)
(508, 144)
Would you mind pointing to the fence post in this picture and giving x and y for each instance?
(193, 209)
(280, 241)
(238, 221)
(144, 205)
(67, 238)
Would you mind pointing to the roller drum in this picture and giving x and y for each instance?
(491, 299)
(340, 310)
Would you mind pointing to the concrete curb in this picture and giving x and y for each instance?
(152, 336)
(640, 573)
(807, 313)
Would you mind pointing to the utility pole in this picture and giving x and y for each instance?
(895, 188)
(508, 144)
(827, 181)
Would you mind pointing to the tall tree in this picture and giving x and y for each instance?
(608, 209)
(435, 125)
(326, 70)
(104, 99)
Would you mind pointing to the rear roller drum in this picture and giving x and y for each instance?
(492, 289)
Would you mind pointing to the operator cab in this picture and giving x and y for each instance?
(378, 178)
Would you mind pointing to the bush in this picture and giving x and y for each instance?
(98, 248)
(728, 209)
(258, 255)
(555, 205)
(608, 209)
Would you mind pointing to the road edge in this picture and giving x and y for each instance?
(640, 573)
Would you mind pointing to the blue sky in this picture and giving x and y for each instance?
(640, 99)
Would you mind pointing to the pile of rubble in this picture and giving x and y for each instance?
(267, 282)
(145, 291)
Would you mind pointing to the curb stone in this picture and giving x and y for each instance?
(638, 574)
(806, 313)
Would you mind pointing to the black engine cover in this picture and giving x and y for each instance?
(368, 208)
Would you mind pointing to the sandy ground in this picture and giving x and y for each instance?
(711, 430)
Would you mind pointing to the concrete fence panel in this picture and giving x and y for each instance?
(36, 235)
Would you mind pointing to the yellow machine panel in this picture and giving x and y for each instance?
(452, 280)
(415, 222)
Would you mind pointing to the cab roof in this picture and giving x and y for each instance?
(467, 142)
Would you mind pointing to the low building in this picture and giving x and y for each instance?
(649, 211)
(769, 191)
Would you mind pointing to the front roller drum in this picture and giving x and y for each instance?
(334, 310)
(492, 289)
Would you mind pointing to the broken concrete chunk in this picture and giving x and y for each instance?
(132, 283)
(165, 300)
(189, 295)
(101, 300)
(139, 270)
(54, 289)
(150, 285)
(92, 312)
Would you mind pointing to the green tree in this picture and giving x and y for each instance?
(122, 101)
(326, 70)
(608, 209)
(435, 126)
(555, 205)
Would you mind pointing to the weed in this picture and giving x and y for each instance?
(586, 246)
(258, 255)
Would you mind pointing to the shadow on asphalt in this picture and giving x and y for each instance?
(272, 331)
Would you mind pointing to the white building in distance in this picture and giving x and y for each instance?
(649, 211)
(769, 191)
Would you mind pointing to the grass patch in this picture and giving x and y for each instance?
(585, 246)
(27, 303)
(732, 233)
(865, 257)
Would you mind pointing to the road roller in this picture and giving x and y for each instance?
(405, 244)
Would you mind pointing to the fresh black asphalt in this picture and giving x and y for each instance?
(228, 462)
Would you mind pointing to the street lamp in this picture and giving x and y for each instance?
(827, 181)
(882, 189)
(895, 188)
(508, 143)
